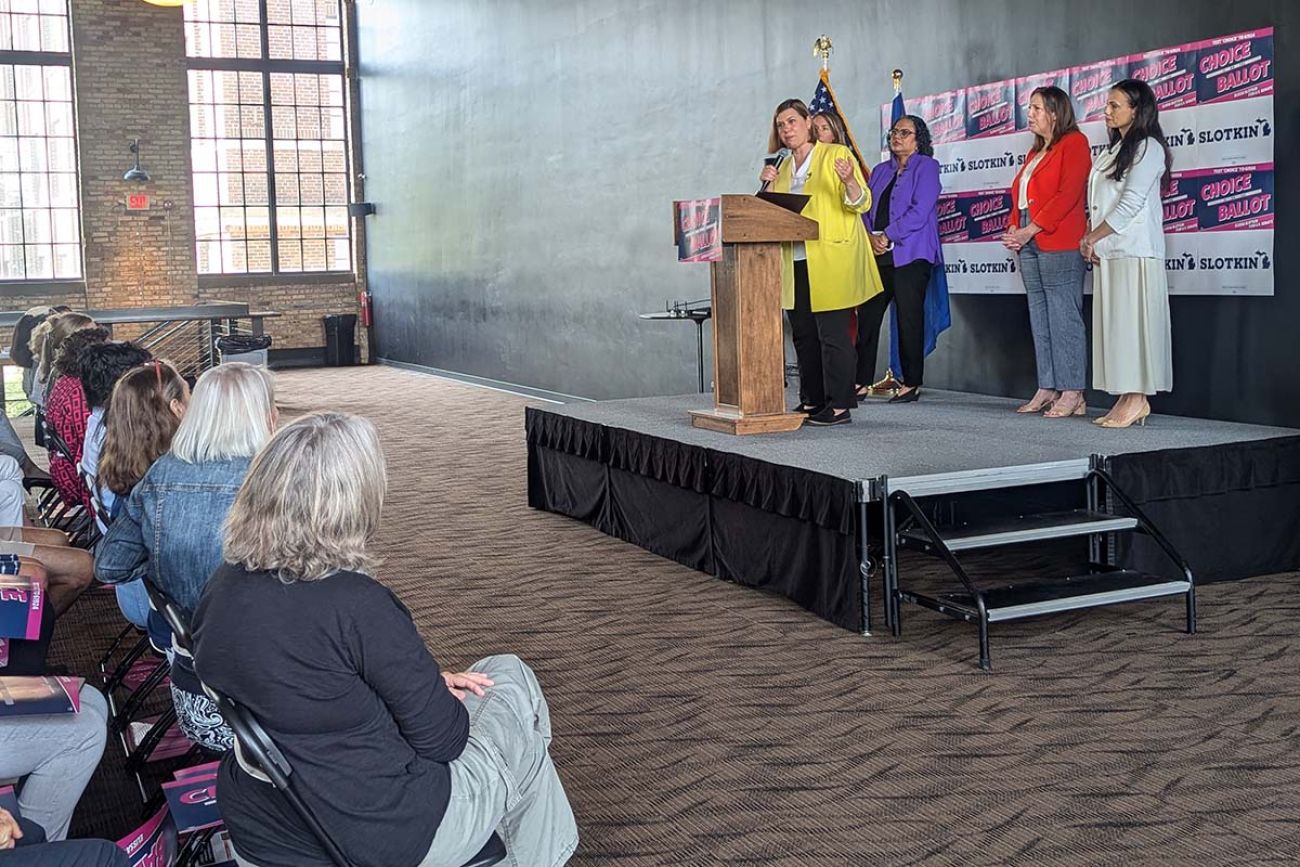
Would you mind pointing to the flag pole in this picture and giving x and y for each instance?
(889, 384)
(822, 48)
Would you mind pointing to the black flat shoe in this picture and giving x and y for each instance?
(827, 417)
(907, 397)
(808, 408)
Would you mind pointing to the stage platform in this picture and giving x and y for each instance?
(799, 513)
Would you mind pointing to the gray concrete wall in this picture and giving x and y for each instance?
(523, 157)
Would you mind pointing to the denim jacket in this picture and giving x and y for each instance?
(170, 527)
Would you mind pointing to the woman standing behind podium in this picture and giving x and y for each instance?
(904, 221)
(822, 281)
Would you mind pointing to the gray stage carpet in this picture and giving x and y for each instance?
(943, 432)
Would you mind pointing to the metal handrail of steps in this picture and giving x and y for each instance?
(907, 526)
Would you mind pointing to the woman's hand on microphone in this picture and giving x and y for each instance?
(768, 174)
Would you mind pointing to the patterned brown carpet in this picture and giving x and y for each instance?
(699, 722)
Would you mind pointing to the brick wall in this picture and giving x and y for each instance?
(129, 74)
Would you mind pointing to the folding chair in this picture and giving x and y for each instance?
(140, 748)
(260, 757)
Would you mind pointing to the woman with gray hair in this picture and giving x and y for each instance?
(403, 763)
(169, 530)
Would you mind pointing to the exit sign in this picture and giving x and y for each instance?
(137, 202)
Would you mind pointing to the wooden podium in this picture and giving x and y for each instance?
(748, 342)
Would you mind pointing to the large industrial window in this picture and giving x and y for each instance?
(40, 221)
(268, 128)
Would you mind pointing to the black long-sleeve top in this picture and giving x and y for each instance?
(337, 673)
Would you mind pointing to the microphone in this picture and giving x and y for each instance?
(775, 161)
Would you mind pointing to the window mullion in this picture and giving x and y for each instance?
(268, 130)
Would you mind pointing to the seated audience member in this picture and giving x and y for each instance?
(403, 763)
(11, 446)
(20, 346)
(65, 403)
(57, 755)
(25, 846)
(101, 368)
(69, 853)
(22, 353)
(169, 529)
(68, 571)
(141, 418)
(66, 410)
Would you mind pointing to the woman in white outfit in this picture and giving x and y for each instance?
(1131, 346)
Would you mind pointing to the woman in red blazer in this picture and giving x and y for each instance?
(1048, 218)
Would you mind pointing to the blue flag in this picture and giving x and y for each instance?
(937, 315)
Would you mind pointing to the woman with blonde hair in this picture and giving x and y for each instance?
(402, 762)
(169, 529)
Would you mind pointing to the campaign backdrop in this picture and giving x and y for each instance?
(1216, 109)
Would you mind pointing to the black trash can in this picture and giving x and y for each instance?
(341, 340)
(247, 348)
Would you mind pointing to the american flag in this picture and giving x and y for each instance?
(823, 102)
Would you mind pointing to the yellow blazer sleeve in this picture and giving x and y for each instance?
(840, 152)
(863, 204)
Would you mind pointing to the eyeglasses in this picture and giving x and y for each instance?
(901, 133)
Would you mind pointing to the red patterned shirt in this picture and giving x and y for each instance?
(66, 412)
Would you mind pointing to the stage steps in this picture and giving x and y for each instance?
(908, 526)
(1023, 528)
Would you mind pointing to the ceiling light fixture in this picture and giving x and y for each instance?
(135, 173)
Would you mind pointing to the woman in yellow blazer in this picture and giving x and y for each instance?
(823, 280)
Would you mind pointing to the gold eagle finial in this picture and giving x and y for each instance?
(822, 48)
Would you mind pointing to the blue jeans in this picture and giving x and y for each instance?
(133, 600)
(1054, 288)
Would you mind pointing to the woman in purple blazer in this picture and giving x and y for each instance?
(904, 228)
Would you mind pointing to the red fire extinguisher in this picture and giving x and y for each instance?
(365, 309)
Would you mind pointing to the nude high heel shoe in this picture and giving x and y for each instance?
(1140, 418)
